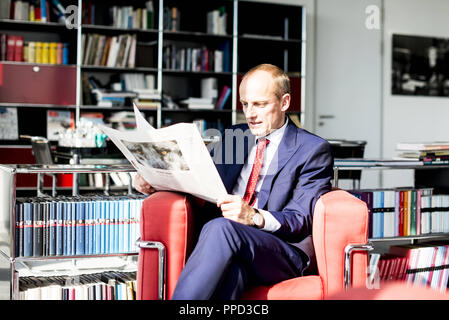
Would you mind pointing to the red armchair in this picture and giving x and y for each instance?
(340, 228)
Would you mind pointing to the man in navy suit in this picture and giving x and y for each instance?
(274, 173)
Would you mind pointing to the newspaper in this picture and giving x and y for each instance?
(174, 158)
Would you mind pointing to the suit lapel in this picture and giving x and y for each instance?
(285, 151)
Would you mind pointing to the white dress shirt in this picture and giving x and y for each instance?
(275, 137)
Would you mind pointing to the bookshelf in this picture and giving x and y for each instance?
(160, 45)
(408, 233)
(55, 258)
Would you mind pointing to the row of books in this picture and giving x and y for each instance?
(126, 17)
(109, 285)
(402, 211)
(14, 48)
(67, 226)
(110, 51)
(33, 10)
(196, 59)
(420, 265)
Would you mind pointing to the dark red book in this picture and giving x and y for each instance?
(18, 50)
(10, 47)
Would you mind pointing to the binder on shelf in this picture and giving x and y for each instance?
(43, 11)
(52, 228)
(224, 96)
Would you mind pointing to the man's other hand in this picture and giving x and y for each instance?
(234, 208)
(142, 186)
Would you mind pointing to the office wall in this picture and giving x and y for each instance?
(412, 118)
(348, 76)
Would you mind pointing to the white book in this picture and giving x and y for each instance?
(218, 61)
(149, 81)
(98, 179)
(116, 179)
(439, 260)
(209, 88)
(113, 50)
(127, 51)
(132, 52)
(18, 10)
(124, 178)
(144, 21)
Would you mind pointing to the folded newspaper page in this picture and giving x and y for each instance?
(174, 158)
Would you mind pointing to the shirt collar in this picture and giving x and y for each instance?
(275, 136)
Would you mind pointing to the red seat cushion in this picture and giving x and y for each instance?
(302, 288)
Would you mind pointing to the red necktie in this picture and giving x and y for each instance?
(257, 166)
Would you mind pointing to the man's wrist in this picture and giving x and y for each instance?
(257, 218)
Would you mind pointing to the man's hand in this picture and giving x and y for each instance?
(142, 186)
(234, 208)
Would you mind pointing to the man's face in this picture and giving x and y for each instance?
(263, 111)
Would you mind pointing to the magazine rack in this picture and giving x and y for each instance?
(15, 267)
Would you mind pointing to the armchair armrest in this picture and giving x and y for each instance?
(166, 224)
(340, 219)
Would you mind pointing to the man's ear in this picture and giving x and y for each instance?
(285, 101)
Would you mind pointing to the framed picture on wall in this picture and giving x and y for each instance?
(420, 66)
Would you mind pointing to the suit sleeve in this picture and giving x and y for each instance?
(312, 180)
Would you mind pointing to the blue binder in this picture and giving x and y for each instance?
(59, 228)
(80, 227)
(97, 230)
(27, 230)
(52, 228)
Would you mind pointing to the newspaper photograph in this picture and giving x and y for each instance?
(173, 158)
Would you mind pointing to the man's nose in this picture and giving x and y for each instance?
(250, 110)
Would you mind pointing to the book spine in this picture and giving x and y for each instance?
(121, 224)
(46, 228)
(104, 208)
(87, 211)
(73, 228)
(413, 213)
(401, 213)
(10, 47)
(107, 229)
(52, 228)
(367, 196)
(381, 213)
(18, 48)
(126, 226)
(37, 229)
(92, 213)
(59, 228)
(80, 227)
(43, 11)
(115, 228)
(65, 53)
(112, 225)
(97, 228)
(66, 219)
(18, 242)
(418, 212)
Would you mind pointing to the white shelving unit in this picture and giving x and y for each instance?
(16, 267)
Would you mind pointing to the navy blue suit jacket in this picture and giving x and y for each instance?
(299, 175)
